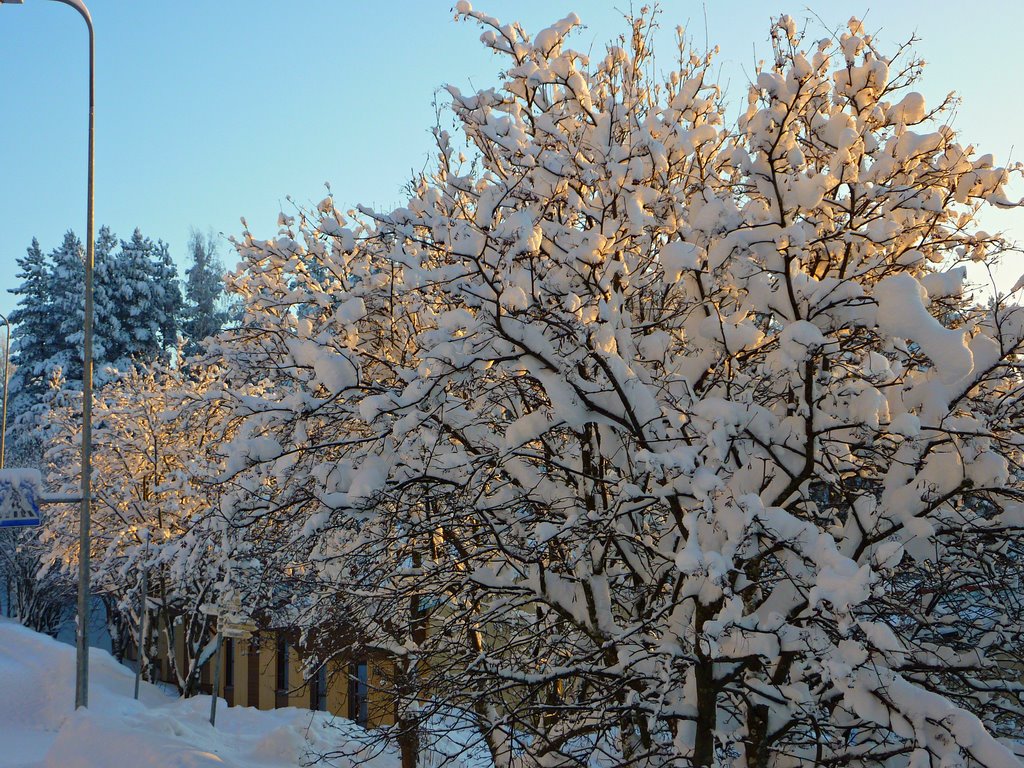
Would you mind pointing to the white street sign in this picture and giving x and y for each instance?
(20, 492)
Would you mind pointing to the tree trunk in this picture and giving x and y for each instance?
(409, 742)
(757, 736)
(704, 672)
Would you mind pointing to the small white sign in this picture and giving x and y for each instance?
(238, 632)
(20, 491)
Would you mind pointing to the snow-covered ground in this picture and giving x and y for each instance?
(40, 729)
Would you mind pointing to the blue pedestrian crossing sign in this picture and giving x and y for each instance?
(20, 491)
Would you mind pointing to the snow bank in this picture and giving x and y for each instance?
(39, 729)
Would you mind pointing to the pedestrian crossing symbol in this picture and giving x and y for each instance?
(20, 490)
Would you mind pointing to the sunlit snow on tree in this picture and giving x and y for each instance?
(642, 437)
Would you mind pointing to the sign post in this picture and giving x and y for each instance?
(232, 624)
(141, 648)
(216, 680)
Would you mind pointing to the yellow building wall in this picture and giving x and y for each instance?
(337, 688)
(380, 707)
(298, 689)
(241, 678)
(244, 650)
(268, 673)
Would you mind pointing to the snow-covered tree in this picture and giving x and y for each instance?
(635, 436)
(151, 511)
(107, 333)
(205, 312)
(640, 436)
(38, 596)
(148, 299)
(66, 276)
(137, 306)
(36, 321)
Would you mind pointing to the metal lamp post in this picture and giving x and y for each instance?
(82, 667)
(7, 379)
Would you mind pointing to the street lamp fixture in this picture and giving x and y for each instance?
(82, 645)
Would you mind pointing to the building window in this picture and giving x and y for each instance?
(205, 686)
(229, 663)
(318, 698)
(282, 671)
(358, 693)
(253, 671)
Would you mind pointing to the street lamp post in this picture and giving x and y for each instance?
(7, 379)
(82, 667)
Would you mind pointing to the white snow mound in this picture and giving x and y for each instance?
(40, 729)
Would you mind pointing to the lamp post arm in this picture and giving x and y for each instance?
(79, 6)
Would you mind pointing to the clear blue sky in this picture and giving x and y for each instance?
(209, 110)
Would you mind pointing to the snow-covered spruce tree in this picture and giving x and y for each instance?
(46, 345)
(36, 320)
(168, 301)
(686, 433)
(137, 310)
(108, 337)
(65, 279)
(148, 300)
(36, 324)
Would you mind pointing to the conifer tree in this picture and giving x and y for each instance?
(108, 344)
(66, 278)
(148, 297)
(204, 312)
(34, 317)
(138, 308)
